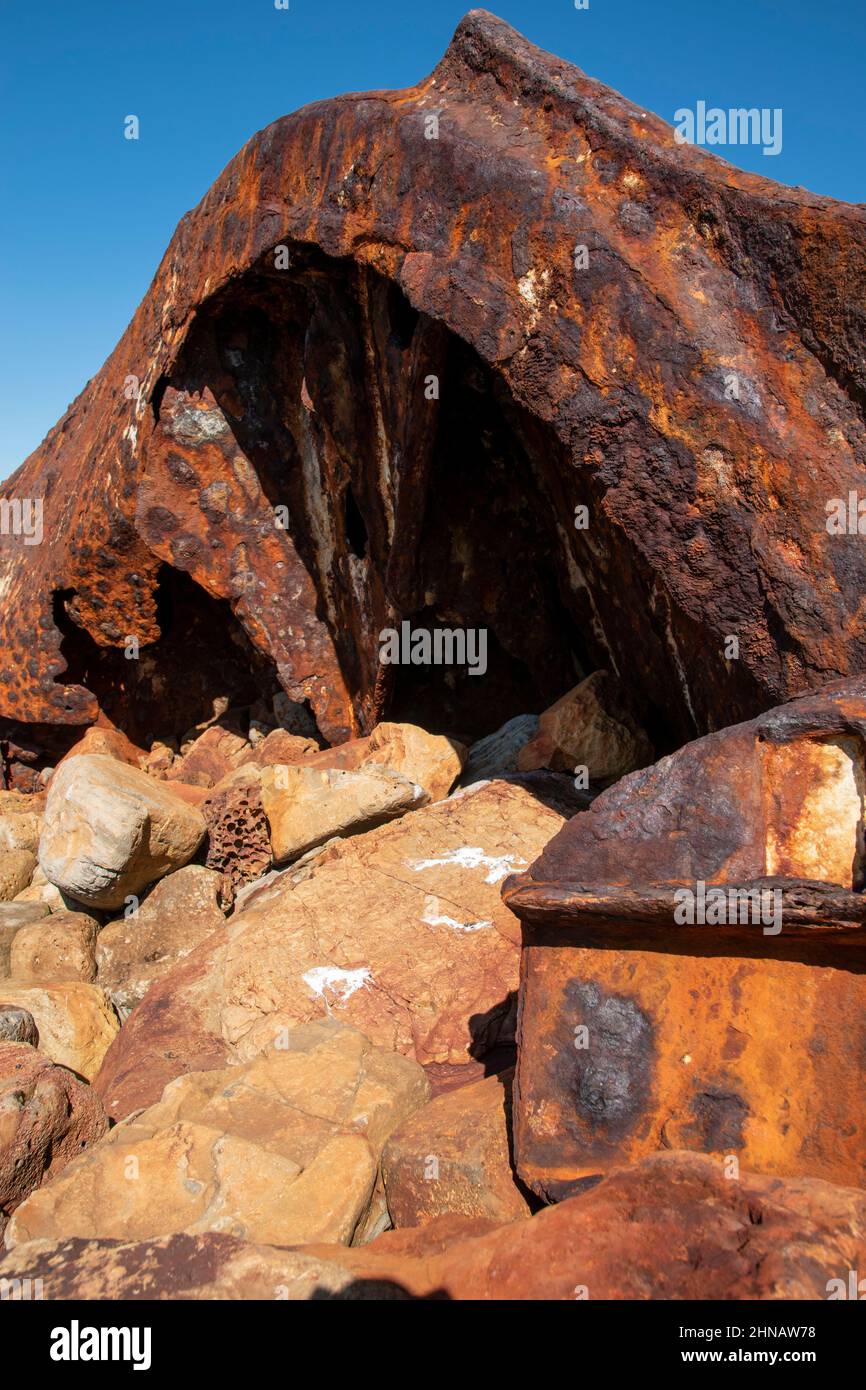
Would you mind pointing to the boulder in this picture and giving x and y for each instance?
(110, 830)
(453, 1155)
(133, 951)
(432, 761)
(674, 1226)
(47, 1116)
(239, 840)
(75, 1021)
(60, 947)
(496, 753)
(280, 746)
(17, 1026)
(14, 916)
(401, 932)
(306, 805)
(283, 1149)
(16, 871)
(589, 728)
(20, 830)
(111, 743)
(210, 757)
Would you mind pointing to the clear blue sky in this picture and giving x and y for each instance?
(86, 214)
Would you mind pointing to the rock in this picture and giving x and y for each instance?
(17, 1026)
(453, 1156)
(60, 947)
(432, 761)
(14, 916)
(16, 871)
(211, 757)
(184, 1266)
(47, 1116)
(686, 948)
(401, 933)
(158, 759)
(239, 840)
(110, 830)
(672, 1227)
(294, 717)
(280, 746)
(75, 1021)
(111, 743)
(497, 753)
(20, 831)
(283, 1149)
(180, 913)
(590, 728)
(307, 805)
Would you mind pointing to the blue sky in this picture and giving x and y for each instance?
(87, 214)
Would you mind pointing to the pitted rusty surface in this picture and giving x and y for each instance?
(741, 1033)
(262, 387)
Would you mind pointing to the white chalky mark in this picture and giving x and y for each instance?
(473, 857)
(433, 918)
(343, 983)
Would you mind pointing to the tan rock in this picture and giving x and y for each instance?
(110, 830)
(284, 1149)
(14, 916)
(307, 805)
(20, 831)
(279, 746)
(16, 871)
(60, 947)
(588, 727)
(432, 761)
(75, 1021)
(133, 951)
(453, 1155)
(401, 932)
(47, 1116)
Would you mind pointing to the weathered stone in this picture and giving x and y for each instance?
(280, 746)
(47, 1116)
(672, 1227)
(453, 1155)
(611, 387)
(20, 830)
(432, 761)
(60, 947)
(17, 1026)
(180, 913)
(75, 1021)
(497, 753)
(283, 1149)
(211, 757)
(111, 743)
(239, 840)
(14, 916)
(307, 805)
(690, 964)
(400, 932)
(16, 871)
(588, 728)
(110, 830)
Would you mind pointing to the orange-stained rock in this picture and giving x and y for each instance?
(111, 742)
(453, 1155)
(47, 1116)
(588, 728)
(282, 1149)
(673, 1227)
(694, 971)
(59, 947)
(695, 384)
(401, 932)
(433, 761)
(74, 1020)
(212, 756)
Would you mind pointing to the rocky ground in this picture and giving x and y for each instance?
(258, 1010)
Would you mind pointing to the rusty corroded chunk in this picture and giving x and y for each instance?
(430, 383)
(694, 964)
